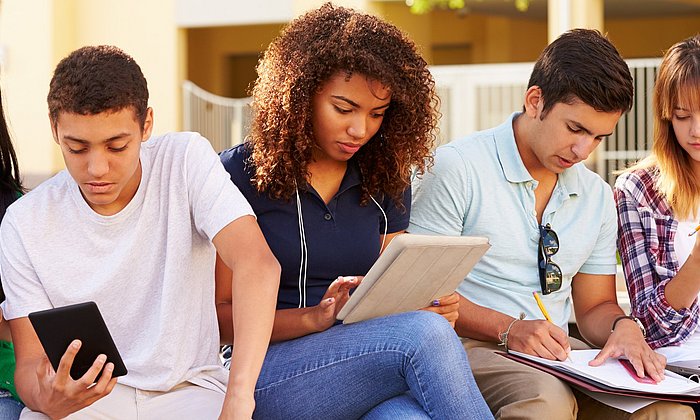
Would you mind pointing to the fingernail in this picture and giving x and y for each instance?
(75, 344)
(349, 278)
(102, 358)
(436, 302)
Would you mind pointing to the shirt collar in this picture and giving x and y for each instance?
(352, 176)
(569, 180)
(512, 164)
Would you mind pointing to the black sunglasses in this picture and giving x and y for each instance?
(550, 273)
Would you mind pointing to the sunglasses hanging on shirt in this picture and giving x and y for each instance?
(550, 273)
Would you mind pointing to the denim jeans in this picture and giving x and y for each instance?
(9, 407)
(409, 366)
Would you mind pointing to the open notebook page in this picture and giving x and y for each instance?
(613, 374)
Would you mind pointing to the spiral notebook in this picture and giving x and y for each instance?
(412, 271)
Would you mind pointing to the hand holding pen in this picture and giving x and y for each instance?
(546, 316)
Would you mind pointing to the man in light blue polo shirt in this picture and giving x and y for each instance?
(552, 226)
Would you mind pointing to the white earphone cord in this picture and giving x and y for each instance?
(386, 223)
(303, 263)
(304, 252)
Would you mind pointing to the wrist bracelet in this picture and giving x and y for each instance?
(635, 319)
(504, 335)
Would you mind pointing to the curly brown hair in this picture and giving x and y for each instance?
(308, 52)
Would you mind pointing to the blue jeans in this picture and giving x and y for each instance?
(9, 407)
(409, 365)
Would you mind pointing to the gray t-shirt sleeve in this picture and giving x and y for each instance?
(19, 278)
(441, 196)
(215, 201)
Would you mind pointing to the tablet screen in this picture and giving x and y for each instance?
(58, 327)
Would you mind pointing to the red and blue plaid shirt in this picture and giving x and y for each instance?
(646, 228)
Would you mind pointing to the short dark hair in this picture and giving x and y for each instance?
(95, 79)
(583, 64)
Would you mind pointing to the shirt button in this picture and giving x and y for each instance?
(528, 184)
(327, 216)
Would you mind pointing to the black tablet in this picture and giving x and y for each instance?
(58, 327)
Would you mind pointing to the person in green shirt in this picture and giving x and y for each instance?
(10, 189)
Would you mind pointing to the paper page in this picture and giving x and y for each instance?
(690, 350)
(613, 374)
(621, 402)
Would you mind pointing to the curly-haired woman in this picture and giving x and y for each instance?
(344, 107)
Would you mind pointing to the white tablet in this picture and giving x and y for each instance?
(411, 272)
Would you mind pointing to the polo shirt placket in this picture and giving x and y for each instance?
(342, 237)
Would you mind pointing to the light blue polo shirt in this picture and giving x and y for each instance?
(479, 186)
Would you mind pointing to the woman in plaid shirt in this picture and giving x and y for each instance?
(658, 203)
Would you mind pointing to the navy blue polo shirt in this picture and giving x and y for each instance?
(342, 237)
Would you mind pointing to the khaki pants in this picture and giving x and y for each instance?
(185, 401)
(516, 391)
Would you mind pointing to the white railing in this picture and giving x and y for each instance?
(476, 97)
(224, 121)
(633, 135)
(473, 97)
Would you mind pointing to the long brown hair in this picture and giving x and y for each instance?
(310, 50)
(677, 84)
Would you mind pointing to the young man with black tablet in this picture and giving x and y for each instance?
(134, 224)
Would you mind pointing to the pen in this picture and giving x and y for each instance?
(546, 315)
(697, 228)
(542, 308)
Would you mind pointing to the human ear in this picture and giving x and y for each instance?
(534, 101)
(54, 128)
(147, 125)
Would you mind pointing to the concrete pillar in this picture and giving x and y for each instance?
(27, 40)
(302, 6)
(563, 15)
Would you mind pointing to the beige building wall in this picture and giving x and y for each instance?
(641, 38)
(36, 34)
(25, 71)
(146, 30)
(209, 49)
(443, 34)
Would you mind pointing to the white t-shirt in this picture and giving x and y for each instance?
(149, 268)
(682, 245)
